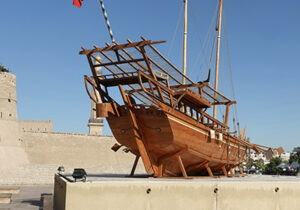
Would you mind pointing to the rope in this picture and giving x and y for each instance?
(175, 32)
(107, 22)
(211, 54)
(206, 41)
(230, 71)
(199, 35)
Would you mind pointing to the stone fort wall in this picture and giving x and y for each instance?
(45, 152)
(8, 97)
(30, 152)
(76, 150)
(35, 125)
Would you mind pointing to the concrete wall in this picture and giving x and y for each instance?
(210, 194)
(35, 125)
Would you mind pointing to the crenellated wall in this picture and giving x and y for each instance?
(36, 125)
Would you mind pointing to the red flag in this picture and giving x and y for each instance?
(77, 3)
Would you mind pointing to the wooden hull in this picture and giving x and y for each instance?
(163, 119)
(168, 135)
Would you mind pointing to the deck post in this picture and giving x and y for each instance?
(208, 170)
(134, 165)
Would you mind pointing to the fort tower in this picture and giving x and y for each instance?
(95, 124)
(8, 95)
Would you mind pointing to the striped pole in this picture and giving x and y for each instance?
(107, 22)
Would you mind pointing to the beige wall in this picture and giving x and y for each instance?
(12, 154)
(39, 155)
(77, 150)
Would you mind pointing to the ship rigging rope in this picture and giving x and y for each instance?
(230, 71)
(107, 22)
(206, 41)
(175, 32)
(199, 36)
(211, 55)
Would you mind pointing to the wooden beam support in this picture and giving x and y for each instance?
(241, 171)
(166, 156)
(180, 163)
(160, 170)
(134, 165)
(231, 172)
(197, 165)
(138, 136)
(208, 170)
(227, 114)
(224, 171)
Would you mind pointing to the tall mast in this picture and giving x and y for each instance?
(218, 53)
(185, 39)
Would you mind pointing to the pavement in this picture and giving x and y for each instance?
(30, 198)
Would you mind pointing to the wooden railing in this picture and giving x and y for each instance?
(168, 98)
(117, 76)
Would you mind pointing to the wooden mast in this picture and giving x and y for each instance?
(218, 53)
(185, 39)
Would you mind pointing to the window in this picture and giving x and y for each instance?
(9, 100)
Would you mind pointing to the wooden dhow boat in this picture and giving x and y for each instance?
(160, 114)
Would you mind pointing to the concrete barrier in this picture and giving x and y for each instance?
(150, 193)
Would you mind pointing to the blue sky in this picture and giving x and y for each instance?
(40, 41)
